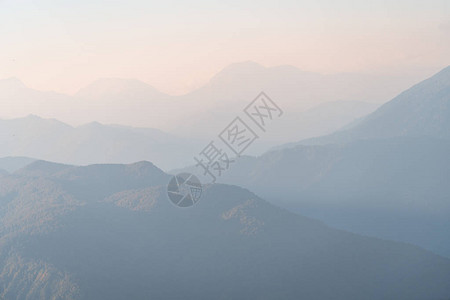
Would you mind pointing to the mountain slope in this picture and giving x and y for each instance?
(109, 232)
(422, 110)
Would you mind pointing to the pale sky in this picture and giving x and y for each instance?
(176, 46)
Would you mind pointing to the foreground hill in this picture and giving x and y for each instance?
(109, 232)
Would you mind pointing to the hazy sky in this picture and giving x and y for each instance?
(178, 45)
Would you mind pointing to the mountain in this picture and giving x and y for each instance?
(385, 175)
(109, 232)
(50, 139)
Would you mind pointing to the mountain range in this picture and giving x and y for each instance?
(109, 232)
(204, 112)
(384, 175)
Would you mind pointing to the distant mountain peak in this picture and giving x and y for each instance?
(42, 168)
(92, 125)
(33, 117)
(141, 169)
(12, 83)
(244, 65)
(238, 69)
(143, 164)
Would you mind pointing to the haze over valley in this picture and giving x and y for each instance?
(224, 150)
